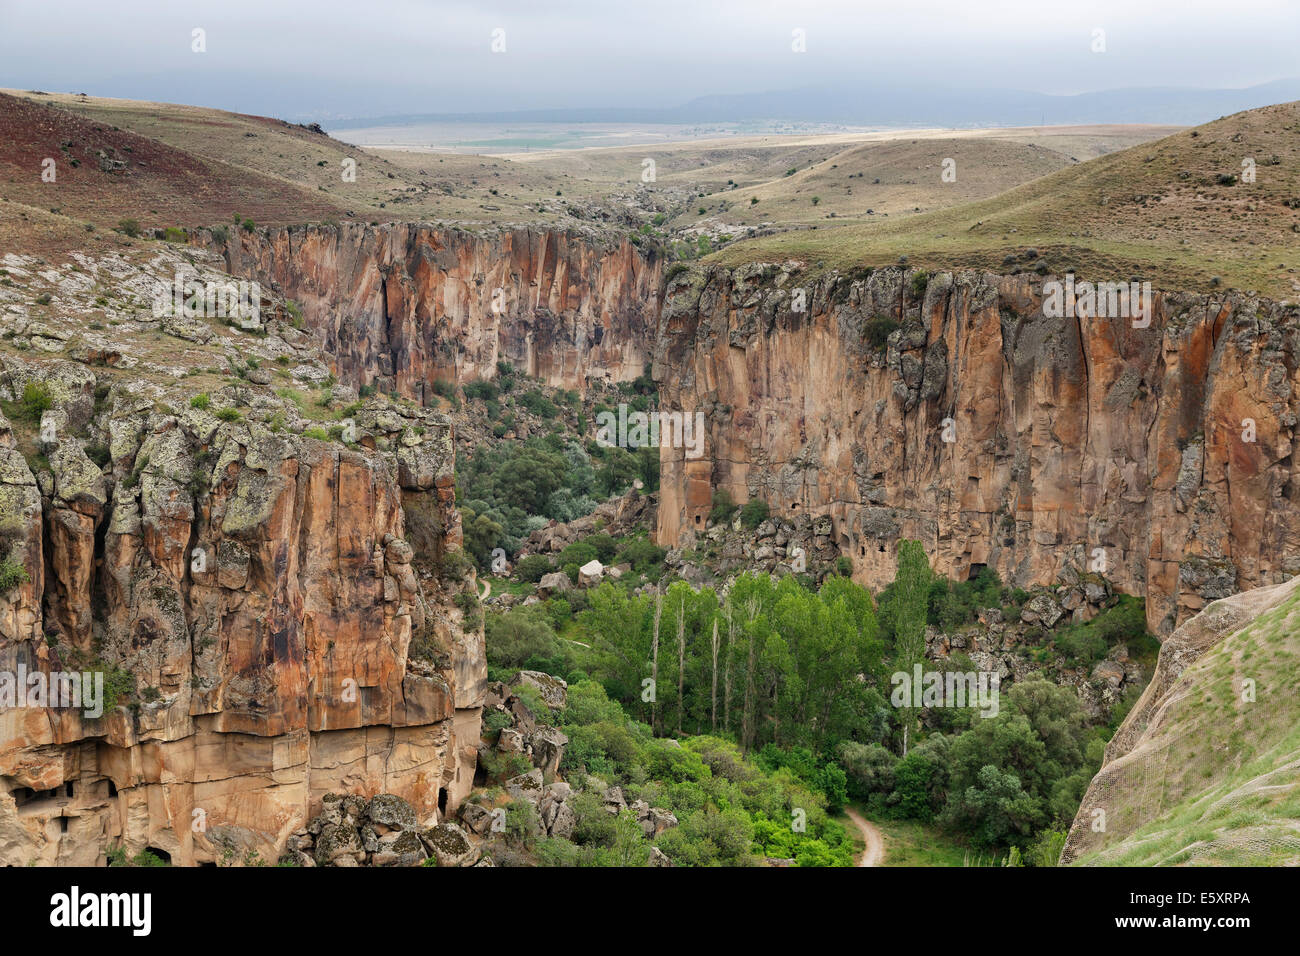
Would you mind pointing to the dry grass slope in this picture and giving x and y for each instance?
(1175, 211)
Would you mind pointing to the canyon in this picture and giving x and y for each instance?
(898, 404)
(320, 648)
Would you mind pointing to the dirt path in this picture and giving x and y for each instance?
(874, 852)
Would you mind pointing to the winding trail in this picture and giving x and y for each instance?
(874, 851)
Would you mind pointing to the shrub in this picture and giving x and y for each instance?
(229, 415)
(538, 404)
(128, 227)
(482, 390)
(200, 401)
(754, 513)
(12, 574)
(723, 507)
(919, 281)
(644, 555)
(520, 635)
(878, 331)
(532, 567)
(35, 402)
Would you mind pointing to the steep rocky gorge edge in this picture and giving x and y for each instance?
(1161, 457)
(1071, 436)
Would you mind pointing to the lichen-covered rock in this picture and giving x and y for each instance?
(526, 786)
(338, 840)
(253, 594)
(390, 810)
(449, 845)
(476, 817)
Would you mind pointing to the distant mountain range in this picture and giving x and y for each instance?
(877, 105)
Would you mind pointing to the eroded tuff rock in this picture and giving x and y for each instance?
(402, 306)
(252, 596)
(1170, 448)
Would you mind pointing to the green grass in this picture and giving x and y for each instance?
(1216, 788)
(908, 843)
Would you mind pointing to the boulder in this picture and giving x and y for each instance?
(557, 582)
(553, 690)
(548, 750)
(526, 786)
(656, 820)
(449, 845)
(590, 573)
(400, 848)
(390, 810)
(338, 841)
(1041, 609)
(614, 800)
(477, 817)
(658, 858)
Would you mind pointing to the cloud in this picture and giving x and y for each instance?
(334, 58)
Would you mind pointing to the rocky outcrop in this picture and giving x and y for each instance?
(402, 306)
(516, 731)
(266, 633)
(949, 409)
(615, 517)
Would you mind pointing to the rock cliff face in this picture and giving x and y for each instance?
(944, 408)
(992, 434)
(402, 306)
(272, 613)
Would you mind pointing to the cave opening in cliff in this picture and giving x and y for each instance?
(442, 802)
(974, 571)
(26, 795)
(161, 854)
(67, 788)
(112, 789)
(63, 824)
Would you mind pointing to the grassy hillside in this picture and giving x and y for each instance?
(873, 180)
(1211, 778)
(105, 172)
(190, 166)
(1175, 211)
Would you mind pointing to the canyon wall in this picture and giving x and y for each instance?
(402, 306)
(253, 594)
(1160, 457)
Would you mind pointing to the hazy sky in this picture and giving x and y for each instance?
(328, 59)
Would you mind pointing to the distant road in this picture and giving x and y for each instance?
(874, 852)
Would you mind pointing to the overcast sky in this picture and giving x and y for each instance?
(327, 59)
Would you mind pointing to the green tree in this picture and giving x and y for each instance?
(910, 607)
